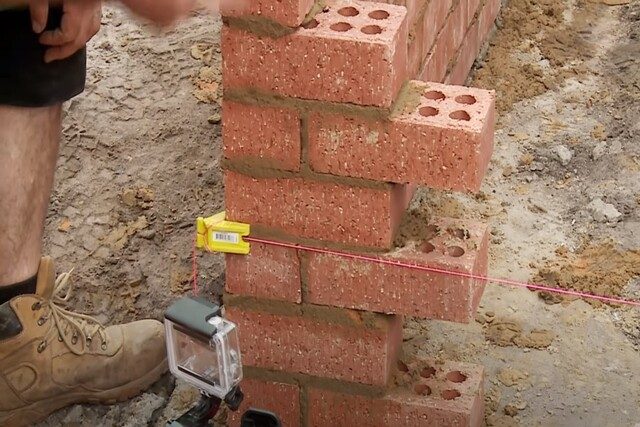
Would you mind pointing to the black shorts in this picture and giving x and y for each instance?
(25, 79)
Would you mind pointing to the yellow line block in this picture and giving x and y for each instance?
(216, 234)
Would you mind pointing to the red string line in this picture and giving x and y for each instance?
(194, 267)
(506, 282)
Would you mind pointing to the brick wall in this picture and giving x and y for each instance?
(333, 113)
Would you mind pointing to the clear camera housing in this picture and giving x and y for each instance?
(203, 347)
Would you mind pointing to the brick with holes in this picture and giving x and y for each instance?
(442, 138)
(356, 52)
(323, 342)
(322, 210)
(446, 245)
(263, 135)
(289, 13)
(429, 393)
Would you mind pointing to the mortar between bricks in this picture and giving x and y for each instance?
(332, 315)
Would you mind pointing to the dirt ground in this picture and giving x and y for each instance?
(140, 160)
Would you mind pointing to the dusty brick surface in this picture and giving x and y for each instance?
(319, 346)
(281, 399)
(432, 401)
(355, 59)
(449, 41)
(290, 13)
(444, 141)
(474, 39)
(452, 245)
(426, 31)
(267, 136)
(266, 272)
(328, 211)
(414, 52)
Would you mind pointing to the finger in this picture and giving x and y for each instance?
(57, 53)
(69, 30)
(39, 10)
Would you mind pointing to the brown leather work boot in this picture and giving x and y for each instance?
(51, 357)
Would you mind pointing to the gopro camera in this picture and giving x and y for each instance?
(203, 347)
(203, 350)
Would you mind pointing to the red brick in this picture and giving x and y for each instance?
(328, 343)
(410, 190)
(435, 18)
(412, 6)
(448, 41)
(450, 149)
(415, 18)
(328, 211)
(384, 288)
(414, 52)
(408, 405)
(267, 136)
(267, 272)
(290, 13)
(279, 398)
(425, 18)
(343, 64)
(474, 39)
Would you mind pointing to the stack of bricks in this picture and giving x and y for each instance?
(326, 136)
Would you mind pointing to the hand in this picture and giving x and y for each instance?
(80, 22)
(39, 14)
(161, 12)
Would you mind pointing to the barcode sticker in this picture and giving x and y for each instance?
(220, 236)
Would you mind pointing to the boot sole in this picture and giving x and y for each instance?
(39, 411)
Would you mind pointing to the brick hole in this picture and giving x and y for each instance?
(450, 394)
(466, 99)
(311, 24)
(432, 231)
(460, 115)
(427, 247)
(341, 27)
(402, 367)
(371, 29)
(459, 233)
(456, 377)
(422, 389)
(379, 14)
(428, 372)
(348, 11)
(428, 111)
(455, 251)
(435, 95)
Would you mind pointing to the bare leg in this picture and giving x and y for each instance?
(29, 139)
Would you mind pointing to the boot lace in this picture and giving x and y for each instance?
(71, 327)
